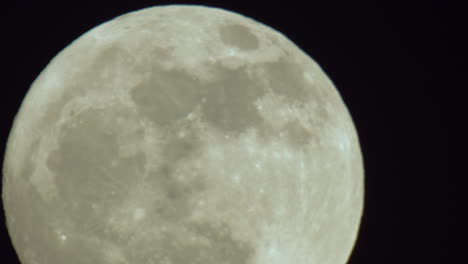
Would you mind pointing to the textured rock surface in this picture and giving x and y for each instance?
(183, 134)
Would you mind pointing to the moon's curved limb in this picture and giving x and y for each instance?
(183, 134)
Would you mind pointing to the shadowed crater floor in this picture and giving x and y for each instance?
(238, 36)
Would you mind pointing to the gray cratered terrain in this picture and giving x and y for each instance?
(183, 134)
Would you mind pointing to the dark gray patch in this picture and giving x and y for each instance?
(174, 203)
(238, 36)
(297, 135)
(84, 151)
(177, 148)
(230, 101)
(287, 79)
(83, 168)
(129, 169)
(267, 133)
(167, 96)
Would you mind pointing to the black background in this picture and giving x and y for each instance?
(388, 61)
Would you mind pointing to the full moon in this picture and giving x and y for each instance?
(183, 134)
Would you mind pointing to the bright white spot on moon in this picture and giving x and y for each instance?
(183, 134)
(139, 214)
(61, 236)
(272, 251)
(258, 165)
(236, 178)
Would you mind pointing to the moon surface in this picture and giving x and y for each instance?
(183, 134)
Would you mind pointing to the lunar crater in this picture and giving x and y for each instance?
(286, 78)
(238, 36)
